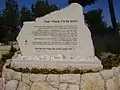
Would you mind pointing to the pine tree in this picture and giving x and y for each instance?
(11, 13)
(11, 18)
(82, 2)
(41, 8)
(25, 15)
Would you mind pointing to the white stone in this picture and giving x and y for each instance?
(93, 63)
(8, 74)
(112, 84)
(53, 80)
(41, 86)
(118, 80)
(31, 33)
(115, 71)
(17, 76)
(11, 85)
(118, 68)
(63, 86)
(70, 78)
(23, 86)
(73, 87)
(106, 74)
(26, 78)
(37, 77)
(61, 35)
(1, 82)
(92, 81)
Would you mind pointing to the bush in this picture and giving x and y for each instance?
(50, 71)
(9, 55)
(110, 60)
(108, 43)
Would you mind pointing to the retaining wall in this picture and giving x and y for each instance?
(102, 80)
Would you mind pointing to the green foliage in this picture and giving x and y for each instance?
(111, 61)
(41, 8)
(96, 23)
(9, 55)
(9, 21)
(50, 71)
(82, 2)
(12, 49)
(108, 43)
(11, 13)
(118, 26)
(26, 15)
(11, 18)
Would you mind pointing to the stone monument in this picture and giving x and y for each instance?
(57, 40)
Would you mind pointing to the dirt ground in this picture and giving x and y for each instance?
(1, 66)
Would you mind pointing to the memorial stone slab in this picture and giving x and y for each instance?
(60, 36)
(60, 32)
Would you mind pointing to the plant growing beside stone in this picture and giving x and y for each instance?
(9, 55)
(50, 71)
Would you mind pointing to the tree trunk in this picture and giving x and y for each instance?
(113, 18)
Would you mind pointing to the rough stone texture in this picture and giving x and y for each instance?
(1, 81)
(63, 86)
(70, 78)
(1, 84)
(17, 76)
(118, 68)
(53, 80)
(11, 85)
(1, 88)
(41, 86)
(103, 80)
(115, 71)
(106, 74)
(118, 80)
(37, 77)
(113, 84)
(23, 86)
(26, 78)
(92, 81)
(73, 87)
(8, 74)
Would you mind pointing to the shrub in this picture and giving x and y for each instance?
(9, 55)
(50, 71)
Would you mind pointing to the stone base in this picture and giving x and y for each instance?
(102, 80)
(89, 63)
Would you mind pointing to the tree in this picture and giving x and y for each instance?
(82, 2)
(11, 17)
(25, 15)
(96, 23)
(112, 13)
(41, 8)
(11, 13)
(3, 29)
(118, 26)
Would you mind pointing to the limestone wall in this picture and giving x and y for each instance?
(103, 80)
